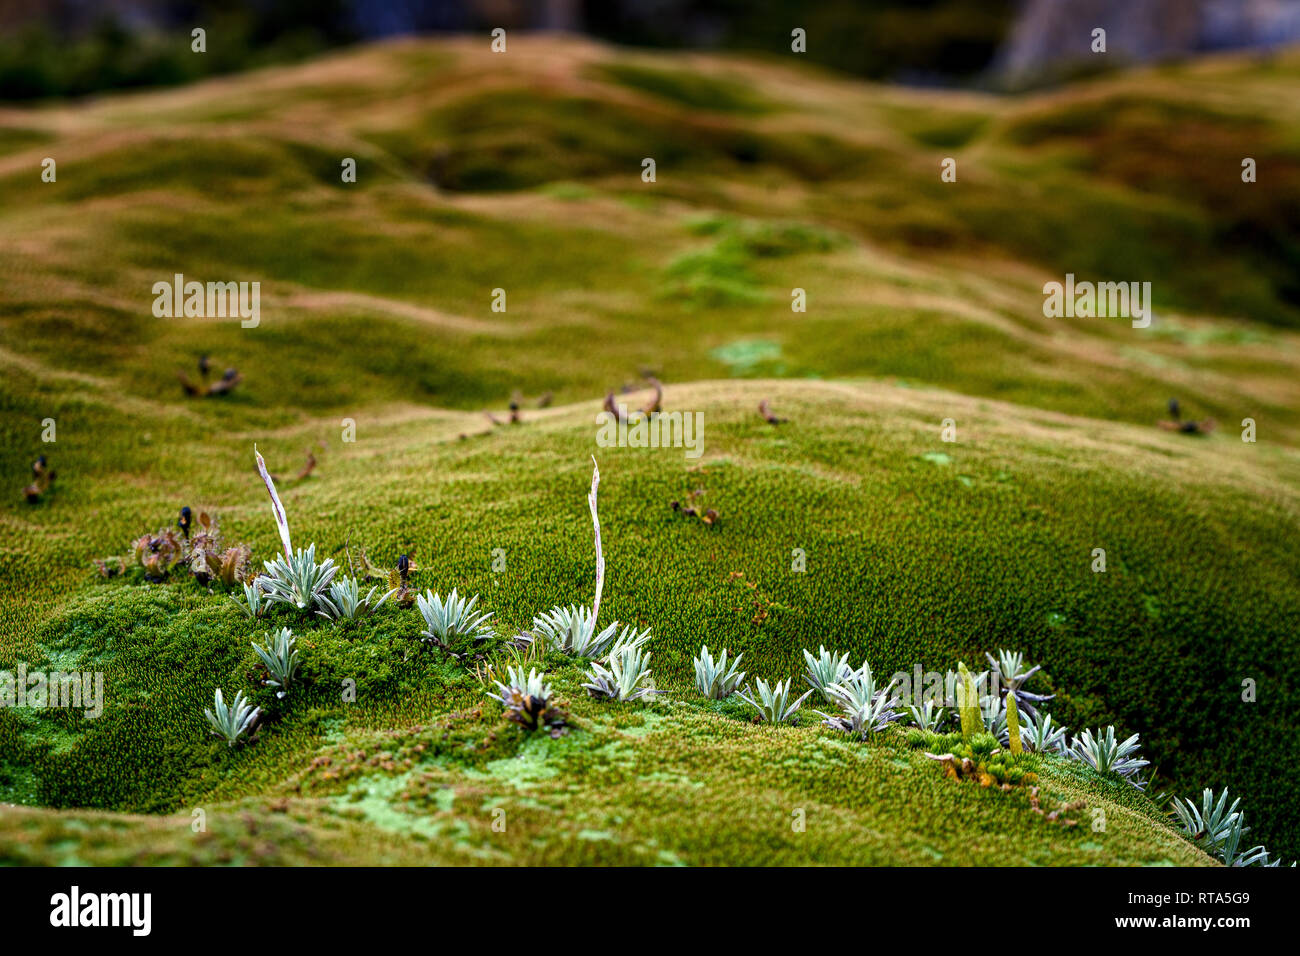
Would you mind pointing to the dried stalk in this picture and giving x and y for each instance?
(600, 556)
(281, 520)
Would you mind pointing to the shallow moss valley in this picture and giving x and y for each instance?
(522, 173)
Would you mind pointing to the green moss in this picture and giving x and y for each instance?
(165, 648)
(376, 307)
(688, 88)
(15, 138)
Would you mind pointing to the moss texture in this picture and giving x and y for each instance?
(924, 305)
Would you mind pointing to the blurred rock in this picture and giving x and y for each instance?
(1053, 37)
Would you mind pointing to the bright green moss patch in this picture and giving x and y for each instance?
(747, 354)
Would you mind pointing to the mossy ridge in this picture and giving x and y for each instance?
(1031, 522)
(394, 237)
(608, 797)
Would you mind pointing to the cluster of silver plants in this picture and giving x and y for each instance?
(280, 655)
(929, 715)
(343, 600)
(572, 630)
(625, 675)
(1218, 826)
(773, 703)
(1210, 823)
(230, 721)
(1011, 672)
(1215, 824)
(825, 669)
(714, 679)
(518, 688)
(452, 621)
(297, 579)
(1105, 754)
(1041, 735)
(865, 708)
(528, 701)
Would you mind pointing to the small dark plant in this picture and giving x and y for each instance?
(693, 509)
(203, 388)
(765, 410)
(42, 480)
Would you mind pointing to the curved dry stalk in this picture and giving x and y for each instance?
(281, 519)
(600, 555)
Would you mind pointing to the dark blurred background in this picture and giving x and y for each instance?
(52, 48)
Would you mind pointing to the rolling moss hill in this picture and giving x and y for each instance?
(522, 172)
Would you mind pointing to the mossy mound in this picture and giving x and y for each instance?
(911, 558)
(924, 303)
